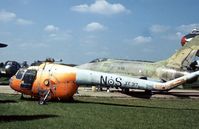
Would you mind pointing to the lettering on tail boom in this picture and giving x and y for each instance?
(117, 82)
(104, 80)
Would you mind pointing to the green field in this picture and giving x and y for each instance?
(99, 113)
(4, 80)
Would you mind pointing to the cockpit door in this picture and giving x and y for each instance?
(28, 79)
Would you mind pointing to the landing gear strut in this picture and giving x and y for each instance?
(44, 98)
(22, 97)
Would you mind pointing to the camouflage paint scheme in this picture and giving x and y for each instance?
(175, 66)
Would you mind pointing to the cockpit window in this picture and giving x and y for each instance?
(20, 73)
(28, 79)
(99, 60)
(29, 76)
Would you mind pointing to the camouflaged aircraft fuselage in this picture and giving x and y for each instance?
(175, 66)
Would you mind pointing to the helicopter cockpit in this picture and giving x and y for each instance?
(27, 76)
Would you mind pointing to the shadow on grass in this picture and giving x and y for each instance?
(10, 118)
(137, 106)
(116, 104)
(7, 101)
(4, 83)
(142, 95)
(182, 95)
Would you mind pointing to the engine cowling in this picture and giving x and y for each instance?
(11, 67)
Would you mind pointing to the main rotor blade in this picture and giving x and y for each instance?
(3, 45)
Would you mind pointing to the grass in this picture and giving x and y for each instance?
(4, 80)
(99, 113)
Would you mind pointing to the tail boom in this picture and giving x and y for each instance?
(87, 77)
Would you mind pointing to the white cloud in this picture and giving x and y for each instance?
(179, 34)
(94, 26)
(187, 28)
(165, 32)
(54, 33)
(31, 44)
(62, 36)
(159, 28)
(171, 33)
(6, 16)
(81, 8)
(100, 7)
(21, 21)
(51, 29)
(142, 39)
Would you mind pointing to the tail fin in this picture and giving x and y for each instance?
(184, 57)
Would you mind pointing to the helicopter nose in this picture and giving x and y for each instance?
(14, 83)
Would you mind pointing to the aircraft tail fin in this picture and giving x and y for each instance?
(185, 56)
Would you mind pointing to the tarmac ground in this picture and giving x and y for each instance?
(117, 93)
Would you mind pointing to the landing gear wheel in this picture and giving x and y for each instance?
(42, 101)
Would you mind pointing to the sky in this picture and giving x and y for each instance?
(78, 31)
